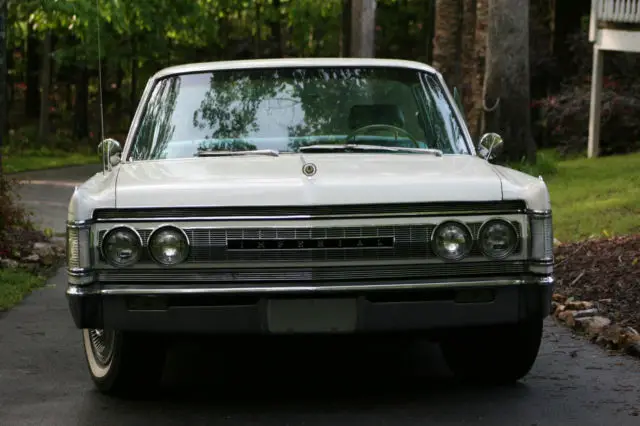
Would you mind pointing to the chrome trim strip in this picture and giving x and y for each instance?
(543, 262)
(77, 272)
(122, 290)
(311, 217)
(79, 224)
(539, 213)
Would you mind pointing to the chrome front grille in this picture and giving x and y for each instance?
(316, 275)
(411, 242)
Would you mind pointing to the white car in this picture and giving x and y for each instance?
(307, 196)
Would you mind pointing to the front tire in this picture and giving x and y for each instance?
(496, 355)
(123, 363)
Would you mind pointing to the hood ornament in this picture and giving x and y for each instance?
(309, 169)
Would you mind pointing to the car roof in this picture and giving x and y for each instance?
(292, 63)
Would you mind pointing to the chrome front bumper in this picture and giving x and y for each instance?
(407, 306)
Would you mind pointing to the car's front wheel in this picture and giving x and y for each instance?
(122, 363)
(499, 355)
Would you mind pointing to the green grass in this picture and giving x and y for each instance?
(37, 160)
(15, 285)
(595, 197)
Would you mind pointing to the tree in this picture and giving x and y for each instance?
(447, 41)
(3, 75)
(507, 97)
(363, 26)
(468, 55)
(476, 115)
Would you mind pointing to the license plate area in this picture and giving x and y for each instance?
(285, 316)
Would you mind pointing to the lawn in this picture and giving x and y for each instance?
(598, 196)
(35, 160)
(15, 285)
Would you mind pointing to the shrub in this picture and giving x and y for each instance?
(566, 118)
(546, 165)
(16, 226)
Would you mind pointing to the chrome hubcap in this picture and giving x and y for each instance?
(102, 343)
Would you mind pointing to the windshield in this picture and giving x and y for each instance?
(287, 109)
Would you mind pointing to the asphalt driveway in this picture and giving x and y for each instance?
(43, 378)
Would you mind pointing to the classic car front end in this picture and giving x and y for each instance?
(362, 240)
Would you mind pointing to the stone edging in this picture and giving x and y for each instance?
(582, 317)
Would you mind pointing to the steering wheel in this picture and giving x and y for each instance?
(394, 129)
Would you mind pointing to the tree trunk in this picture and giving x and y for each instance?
(468, 55)
(81, 107)
(476, 115)
(45, 81)
(258, 39)
(276, 30)
(345, 30)
(363, 28)
(507, 77)
(3, 76)
(32, 103)
(447, 42)
(133, 93)
(429, 25)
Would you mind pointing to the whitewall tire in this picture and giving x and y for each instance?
(122, 363)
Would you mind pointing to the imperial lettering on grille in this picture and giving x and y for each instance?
(310, 243)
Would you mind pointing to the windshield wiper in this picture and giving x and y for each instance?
(269, 152)
(358, 147)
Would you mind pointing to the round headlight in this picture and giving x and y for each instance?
(452, 241)
(169, 245)
(122, 246)
(498, 239)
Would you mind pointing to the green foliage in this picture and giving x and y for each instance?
(591, 197)
(546, 164)
(12, 214)
(15, 285)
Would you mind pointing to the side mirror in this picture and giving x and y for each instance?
(490, 145)
(109, 151)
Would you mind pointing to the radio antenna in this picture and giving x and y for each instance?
(104, 160)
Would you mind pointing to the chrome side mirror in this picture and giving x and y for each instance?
(490, 145)
(109, 150)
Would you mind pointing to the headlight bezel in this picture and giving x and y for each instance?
(468, 246)
(165, 227)
(516, 238)
(138, 238)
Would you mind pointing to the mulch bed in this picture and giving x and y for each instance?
(604, 271)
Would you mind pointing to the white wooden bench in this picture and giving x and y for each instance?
(606, 14)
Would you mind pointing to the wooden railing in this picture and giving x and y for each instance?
(612, 38)
(613, 11)
(624, 11)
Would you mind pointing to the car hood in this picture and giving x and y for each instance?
(340, 179)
